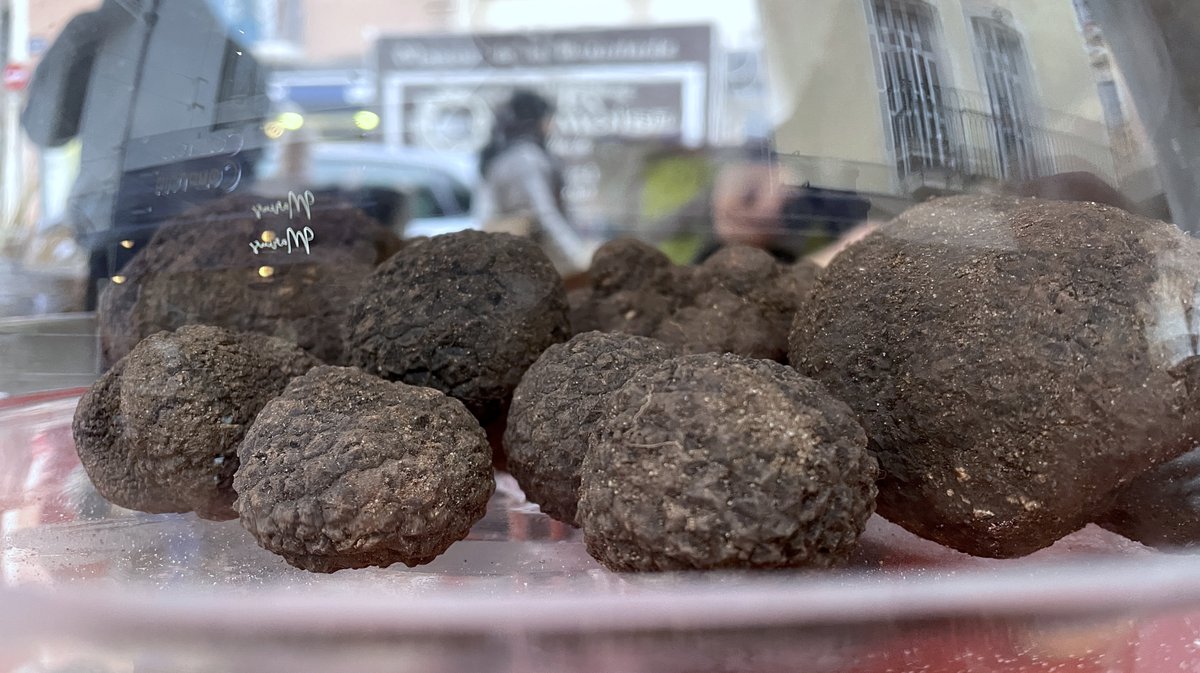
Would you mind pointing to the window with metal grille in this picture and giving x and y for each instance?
(917, 109)
(1019, 144)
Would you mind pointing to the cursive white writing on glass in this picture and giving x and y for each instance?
(293, 206)
(293, 239)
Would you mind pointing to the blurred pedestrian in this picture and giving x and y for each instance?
(522, 188)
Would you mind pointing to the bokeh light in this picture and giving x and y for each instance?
(366, 120)
(291, 121)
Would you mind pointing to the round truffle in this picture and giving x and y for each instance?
(634, 287)
(1013, 361)
(346, 470)
(556, 406)
(720, 461)
(232, 264)
(626, 263)
(464, 313)
(741, 269)
(159, 431)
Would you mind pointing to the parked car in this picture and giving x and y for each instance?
(437, 187)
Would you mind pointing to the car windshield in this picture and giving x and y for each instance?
(432, 192)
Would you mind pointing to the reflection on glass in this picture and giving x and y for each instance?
(887, 102)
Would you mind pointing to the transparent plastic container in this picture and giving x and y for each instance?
(47, 353)
(89, 588)
(247, 164)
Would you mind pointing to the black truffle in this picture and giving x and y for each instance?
(633, 287)
(720, 461)
(201, 268)
(1013, 361)
(741, 269)
(556, 405)
(464, 313)
(345, 470)
(159, 431)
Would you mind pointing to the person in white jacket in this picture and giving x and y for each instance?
(521, 191)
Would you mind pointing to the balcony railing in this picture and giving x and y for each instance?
(947, 141)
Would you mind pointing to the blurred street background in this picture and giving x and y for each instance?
(885, 101)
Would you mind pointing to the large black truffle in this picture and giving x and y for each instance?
(1013, 361)
(159, 431)
(203, 268)
(556, 406)
(720, 461)
(346, 470)
(464, 313)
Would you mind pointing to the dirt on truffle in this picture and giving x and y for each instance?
(464, 313)
(200, 268)
(159, 431)
(1013, 361)
(719, 461)
(741, 300)
(556, 406)
(346, 470)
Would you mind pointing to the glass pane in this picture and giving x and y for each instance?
(881, 318)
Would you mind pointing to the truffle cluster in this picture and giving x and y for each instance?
(720, 461)
(159, 432)
(1016, 368)
(1014, 362)
(740, 300)
(346, 470)
(203, 268)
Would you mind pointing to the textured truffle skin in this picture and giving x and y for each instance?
(719, 321)
(346, 470)
(200, 269)
(556, 406)
(739, 268)
(740, 300)
(465, 313)
(719, 461)
(159, 431)
(1013, 361)
(744, 302)
(634, 287)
